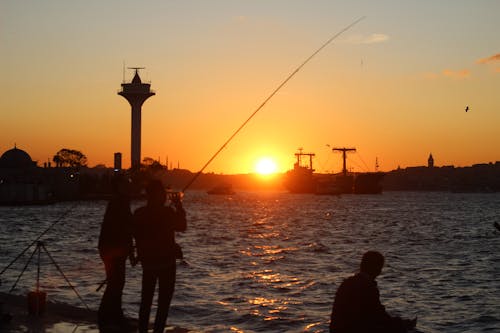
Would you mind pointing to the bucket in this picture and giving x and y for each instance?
(36, 302)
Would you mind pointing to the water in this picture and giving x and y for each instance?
(271, 262)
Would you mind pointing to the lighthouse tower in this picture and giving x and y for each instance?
(136, 93)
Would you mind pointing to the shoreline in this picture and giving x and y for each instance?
(57, 318)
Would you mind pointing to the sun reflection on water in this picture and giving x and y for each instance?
(268, 308)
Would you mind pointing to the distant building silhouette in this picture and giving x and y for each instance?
(136, 93)
(118, 162)
(16, 159)
(476, 178)
(23, 182)
(430, 161)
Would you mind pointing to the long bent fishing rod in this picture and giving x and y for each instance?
(268, 98)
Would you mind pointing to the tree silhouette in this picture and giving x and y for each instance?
(151, 165)
(69, 158)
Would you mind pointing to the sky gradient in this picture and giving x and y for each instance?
(395, 86)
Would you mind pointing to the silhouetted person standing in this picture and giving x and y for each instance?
(154, 232)
(115, 245)
(357, 307)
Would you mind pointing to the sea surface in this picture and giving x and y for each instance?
(272, 261)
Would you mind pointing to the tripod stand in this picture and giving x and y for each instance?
(37, 297)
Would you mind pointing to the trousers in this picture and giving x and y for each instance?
(166, 284)
(110, 308)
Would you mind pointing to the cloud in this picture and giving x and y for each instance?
(490, 60)
(447, 73)
(460, 74)
(376, 38)
(493, 61)
(371, 39)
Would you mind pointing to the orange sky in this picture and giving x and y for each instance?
(395, 86)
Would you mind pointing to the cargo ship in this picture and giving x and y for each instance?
(303, 179)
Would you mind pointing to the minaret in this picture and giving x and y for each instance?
(136, 93)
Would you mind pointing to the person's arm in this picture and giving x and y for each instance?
(180, 222)
(410, 323)
(376, 309)
(381, 316)
(331, 326)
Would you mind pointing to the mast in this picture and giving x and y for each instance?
(344, 157)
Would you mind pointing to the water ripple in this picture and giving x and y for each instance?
(271, 262)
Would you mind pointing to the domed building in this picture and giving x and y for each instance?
(21, 181)
(16, 159)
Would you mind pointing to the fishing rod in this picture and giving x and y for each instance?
(268, 98)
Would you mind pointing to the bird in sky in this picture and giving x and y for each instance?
(466, 108)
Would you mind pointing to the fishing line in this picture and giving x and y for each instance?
(268, 98)
(66, 212)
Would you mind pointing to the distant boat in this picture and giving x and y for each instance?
(302, 179)
(224, 189)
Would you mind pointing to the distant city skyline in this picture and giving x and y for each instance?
(395, 87)
(429, 164)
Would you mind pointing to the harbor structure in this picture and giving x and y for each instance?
(136, 93)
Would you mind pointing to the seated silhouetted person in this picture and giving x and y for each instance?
(154, 232)
(357, 307)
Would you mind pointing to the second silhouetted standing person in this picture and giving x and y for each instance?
(154, 230)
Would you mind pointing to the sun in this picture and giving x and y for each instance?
(266, 166)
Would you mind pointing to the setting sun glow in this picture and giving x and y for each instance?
(266, 166)
(208, 77)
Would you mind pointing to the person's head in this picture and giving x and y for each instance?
(156, 193)
(120, 185)
(372, 263)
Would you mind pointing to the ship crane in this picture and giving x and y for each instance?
(344, 157)
(299, 156)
